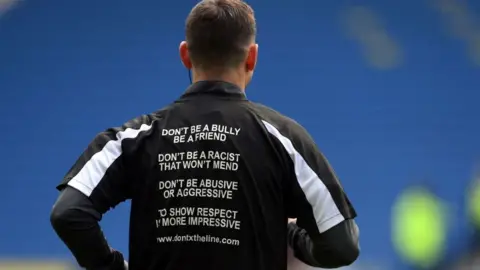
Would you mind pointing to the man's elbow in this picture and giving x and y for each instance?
(350, 256)
(65, 216)
(345, 256)
(72, 210)
(59, 218)
(339, 246)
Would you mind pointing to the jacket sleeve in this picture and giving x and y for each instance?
(100, 179)
(317, 200)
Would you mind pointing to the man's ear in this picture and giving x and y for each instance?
(184, 55)
(252, 57)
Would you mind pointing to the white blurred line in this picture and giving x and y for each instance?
(461, 23)
(474, 48)
(457, 16)
(378, 47)
(7, 5)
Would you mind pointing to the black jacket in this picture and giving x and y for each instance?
(212, 178)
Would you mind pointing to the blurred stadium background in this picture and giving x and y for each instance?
(389, 89)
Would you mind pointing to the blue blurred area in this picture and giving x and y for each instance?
(69, 69)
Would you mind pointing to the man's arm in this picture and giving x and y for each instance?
(98, 181)
(334, 248)
(75, 220)
(325, 234)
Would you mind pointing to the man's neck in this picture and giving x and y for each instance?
(230, 77)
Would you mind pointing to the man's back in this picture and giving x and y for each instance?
(211, 188)
(213, 183)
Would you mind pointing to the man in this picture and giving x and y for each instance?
(212, 177)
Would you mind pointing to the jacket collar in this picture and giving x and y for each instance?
(217, 88)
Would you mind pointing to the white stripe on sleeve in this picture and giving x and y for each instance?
(94, 170)
(325, 210)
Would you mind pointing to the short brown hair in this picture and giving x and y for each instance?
(218, 33)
